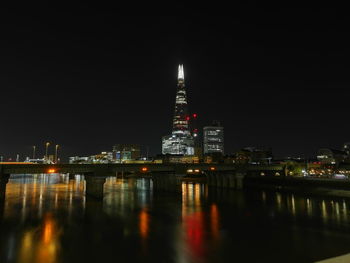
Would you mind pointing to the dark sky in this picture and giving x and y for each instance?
(87, 78)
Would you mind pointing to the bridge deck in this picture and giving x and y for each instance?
(96, 168)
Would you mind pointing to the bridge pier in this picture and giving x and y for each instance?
(210, 179)
(225, 180)
(94, 186)
(231, 181)
(218, 180)
(166, 182)
(239, 180)
(4, 178)
(119, 174)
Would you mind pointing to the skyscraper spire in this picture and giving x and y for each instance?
(181, 74)
(181, 117)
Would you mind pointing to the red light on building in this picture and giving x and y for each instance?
(187, 118)
(194, 115)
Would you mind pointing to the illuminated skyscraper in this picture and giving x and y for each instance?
(181, 140)
(213, 139)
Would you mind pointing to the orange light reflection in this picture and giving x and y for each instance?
(144, 223)
(214, 220)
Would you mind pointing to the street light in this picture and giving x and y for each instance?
(56, 153)
(34, 149)
(46, 149)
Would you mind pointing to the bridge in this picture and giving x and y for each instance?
(165, 177)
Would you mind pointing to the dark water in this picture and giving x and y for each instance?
(46, 218)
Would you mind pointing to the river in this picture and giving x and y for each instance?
(48, 219)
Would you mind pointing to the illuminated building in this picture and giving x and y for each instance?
(122, 153)
(213, 139)
(254, 155)
(181, 141)
(179, 158)
(41, 161)
(126, 152)
(346, 148)
(78, 159)
(198, 149)
(103, 157)
(331, 156)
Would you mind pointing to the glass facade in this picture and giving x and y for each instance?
(213, 139)
(181, 140)
(175, 144)
(123, 152)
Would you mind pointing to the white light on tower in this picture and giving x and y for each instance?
(181, 74)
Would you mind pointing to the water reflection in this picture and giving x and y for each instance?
(123, 196)
(200, 222)
(193, 221)
(46, 218)
(33, 194)
(38, 244)
(144, 223)
(214, 221)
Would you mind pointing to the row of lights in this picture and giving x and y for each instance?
(197, 170)
(145, 169)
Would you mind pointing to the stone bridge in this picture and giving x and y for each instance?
(165, 177)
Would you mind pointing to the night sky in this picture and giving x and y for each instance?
(88, 78)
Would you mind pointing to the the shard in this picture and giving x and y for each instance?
(180, 141)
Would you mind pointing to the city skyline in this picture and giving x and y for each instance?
(97, 78)
(174, 134)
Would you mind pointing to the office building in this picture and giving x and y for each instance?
(213, 139)
(126, 152)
